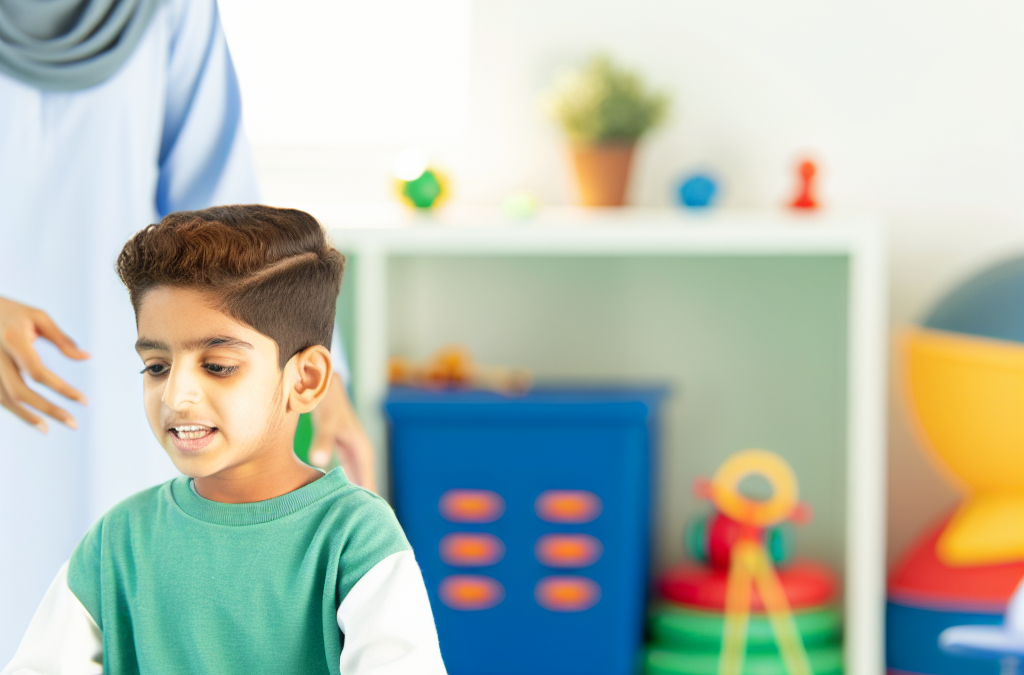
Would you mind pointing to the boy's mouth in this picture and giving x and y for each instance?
(192, 432)
(192, 437)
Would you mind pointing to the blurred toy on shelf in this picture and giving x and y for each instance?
(965, 380)
(417, 183)
(1004, 643)
(520, 205)
(453, 367)
(805, 191)
(698, 191)
(530, 520)
(746, 606)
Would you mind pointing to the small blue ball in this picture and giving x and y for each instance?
(697, 192)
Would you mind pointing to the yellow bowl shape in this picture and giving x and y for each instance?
(968, 395)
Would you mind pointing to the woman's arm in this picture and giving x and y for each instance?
(205, 158)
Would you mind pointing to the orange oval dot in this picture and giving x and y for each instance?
(470, 549)
(568, 550)
(471, 506)
(567, 593)
(568, 506)
(470, 592)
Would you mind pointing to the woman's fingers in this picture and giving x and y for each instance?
(49, 330)
(31, 398)
(355, 453)
(336, 429)
(25, 415)
(9, 381)
(321, 449)
(326, 443)
(361, 465)
(16, 392)
(26, 357)
(20, 325)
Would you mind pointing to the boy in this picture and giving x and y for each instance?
(251, 562)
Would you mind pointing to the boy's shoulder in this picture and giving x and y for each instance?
(139, 508)
(144, 501)
(355, 511)
(366, 530)
(357, 505)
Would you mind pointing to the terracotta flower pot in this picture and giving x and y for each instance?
(602, 172)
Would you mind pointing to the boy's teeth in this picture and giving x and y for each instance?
(192, 431)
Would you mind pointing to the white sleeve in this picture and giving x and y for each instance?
(62, 638)
(387, 622)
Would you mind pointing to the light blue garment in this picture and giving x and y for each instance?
(79, 173)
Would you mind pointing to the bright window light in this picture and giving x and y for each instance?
(351, 72)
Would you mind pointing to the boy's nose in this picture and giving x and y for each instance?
(181, 390)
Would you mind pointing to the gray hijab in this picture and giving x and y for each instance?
(66, 45)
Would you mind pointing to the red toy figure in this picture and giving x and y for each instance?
(805, 194)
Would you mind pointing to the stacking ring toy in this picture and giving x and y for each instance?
(726, 496)
(677, 627)
(824, 660)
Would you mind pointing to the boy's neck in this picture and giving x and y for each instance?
(271, 477)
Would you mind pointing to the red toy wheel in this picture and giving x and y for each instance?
(806, 584)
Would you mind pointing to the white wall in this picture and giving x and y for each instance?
(351, 72)
(914, 108)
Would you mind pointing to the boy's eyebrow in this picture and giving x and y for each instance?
(192, 345)
(216, 341)
(142, 344)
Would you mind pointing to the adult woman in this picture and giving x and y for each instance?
(112, 114)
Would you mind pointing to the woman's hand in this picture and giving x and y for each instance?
(336, 428)
(20, 325)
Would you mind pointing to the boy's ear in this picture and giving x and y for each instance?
(312, 371)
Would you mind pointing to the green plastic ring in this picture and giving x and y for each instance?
(677, 626)
(659, 661)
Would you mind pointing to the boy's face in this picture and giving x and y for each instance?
(212, 386)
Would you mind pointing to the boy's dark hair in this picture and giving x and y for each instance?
(272, 269)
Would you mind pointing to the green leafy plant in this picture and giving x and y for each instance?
(604, 103)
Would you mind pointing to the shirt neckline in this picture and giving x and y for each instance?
(254, 513)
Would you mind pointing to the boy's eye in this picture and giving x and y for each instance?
(217, 369)
(156, 370)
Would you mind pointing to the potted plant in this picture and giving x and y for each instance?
(604, 109)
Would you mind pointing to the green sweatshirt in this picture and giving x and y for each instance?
(180, 584)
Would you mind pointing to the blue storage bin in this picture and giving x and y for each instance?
(530, 519)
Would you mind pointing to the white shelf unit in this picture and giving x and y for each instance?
(769, 328)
